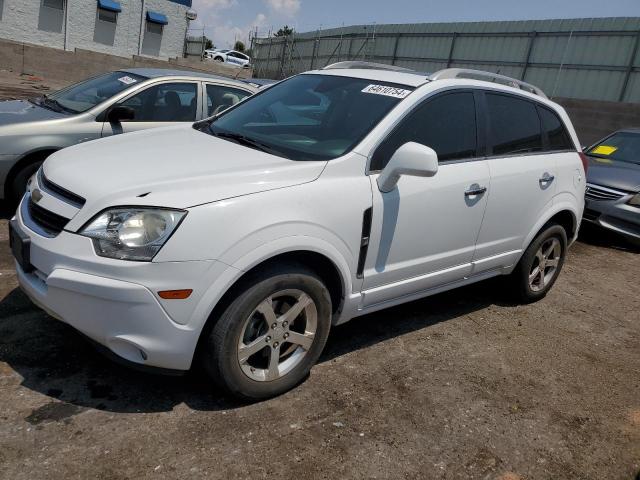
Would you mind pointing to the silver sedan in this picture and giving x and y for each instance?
(113, 103)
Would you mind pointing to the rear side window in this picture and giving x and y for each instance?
(554, 129)
(514, 125)
(446, 123)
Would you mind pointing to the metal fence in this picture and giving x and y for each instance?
(597, 59)
(194, 46)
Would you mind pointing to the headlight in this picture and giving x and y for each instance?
(635, 200)
(132, 233)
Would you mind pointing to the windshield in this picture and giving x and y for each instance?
(621, 146)
(83, 96)
(310, 117)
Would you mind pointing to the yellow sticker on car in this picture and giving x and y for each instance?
(604, 150)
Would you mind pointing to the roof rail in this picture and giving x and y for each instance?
(366, 66)
(486, 77)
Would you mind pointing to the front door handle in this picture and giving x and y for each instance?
(474, 190)
(546, 179)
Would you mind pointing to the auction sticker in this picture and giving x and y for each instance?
(127, 80)
(604, 150)
(387, 91)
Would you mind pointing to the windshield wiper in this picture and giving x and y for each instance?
(55, 105)
(250, 142)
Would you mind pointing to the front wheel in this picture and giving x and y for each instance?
(540, 264)
(19, 182)
(270, 335)
(219, 59)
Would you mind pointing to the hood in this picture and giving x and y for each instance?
(614, 174)
(22, 111)
(171, 167)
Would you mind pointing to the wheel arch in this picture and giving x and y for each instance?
(323, 264)
(564, 215)
(33, 156)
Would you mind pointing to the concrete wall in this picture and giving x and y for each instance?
(55, 64)
(594, 119)
(21, 19)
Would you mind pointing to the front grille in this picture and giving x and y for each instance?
(598, 193)
(58, 191)
(50, 222)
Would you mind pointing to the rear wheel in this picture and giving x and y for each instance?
(272, 333)
(540, 264)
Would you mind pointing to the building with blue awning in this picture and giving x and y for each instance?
(154, 28)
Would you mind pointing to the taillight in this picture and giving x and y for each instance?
(585, 161)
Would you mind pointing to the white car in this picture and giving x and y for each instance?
(333, 194)
(232, 57)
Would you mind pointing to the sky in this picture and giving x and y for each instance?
(224, 21)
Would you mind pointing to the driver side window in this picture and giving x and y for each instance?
(165, 102)
(446, 123)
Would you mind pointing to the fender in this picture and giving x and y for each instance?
(255, 257)
(561, 202)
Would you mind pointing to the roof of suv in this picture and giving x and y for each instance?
(412, 79)
(394, 74)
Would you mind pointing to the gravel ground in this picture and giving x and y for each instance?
(459, 385)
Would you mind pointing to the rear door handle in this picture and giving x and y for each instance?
(546, 178)
(474, 190)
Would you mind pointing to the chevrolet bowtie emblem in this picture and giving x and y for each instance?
(36, 195)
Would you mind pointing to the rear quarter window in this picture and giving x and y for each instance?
(557, 136)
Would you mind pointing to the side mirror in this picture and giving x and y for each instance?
(120, 113)
(410, 159)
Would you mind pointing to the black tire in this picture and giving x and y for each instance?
(220, 347)
(219, 59)
(519, 279)
(20, 179)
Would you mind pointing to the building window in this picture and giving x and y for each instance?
(153, 33)
(155, 28)
(51, 17)
(107, 16)
(55, 4)
(106, 22)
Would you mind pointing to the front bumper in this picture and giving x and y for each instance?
(116, 303)
(615, 214)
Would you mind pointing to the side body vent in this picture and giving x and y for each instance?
(364, 240)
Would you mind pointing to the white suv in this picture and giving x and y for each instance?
(242, 239)
(229, 56)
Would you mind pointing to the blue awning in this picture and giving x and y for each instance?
(155, 17)
(110, 5)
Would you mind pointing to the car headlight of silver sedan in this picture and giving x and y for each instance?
(132, 233)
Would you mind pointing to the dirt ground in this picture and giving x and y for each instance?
(459, 385)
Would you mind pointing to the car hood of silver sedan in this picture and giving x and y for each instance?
(170, 167)
(23, 111)
(614, 174)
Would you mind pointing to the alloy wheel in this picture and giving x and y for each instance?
(545, 264)
(277, 335)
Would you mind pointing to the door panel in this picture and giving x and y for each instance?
(424, 231)
(523, 179)
(159, 105)
(518, 198)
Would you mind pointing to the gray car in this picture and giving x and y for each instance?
(613, 184)
(116, 102)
